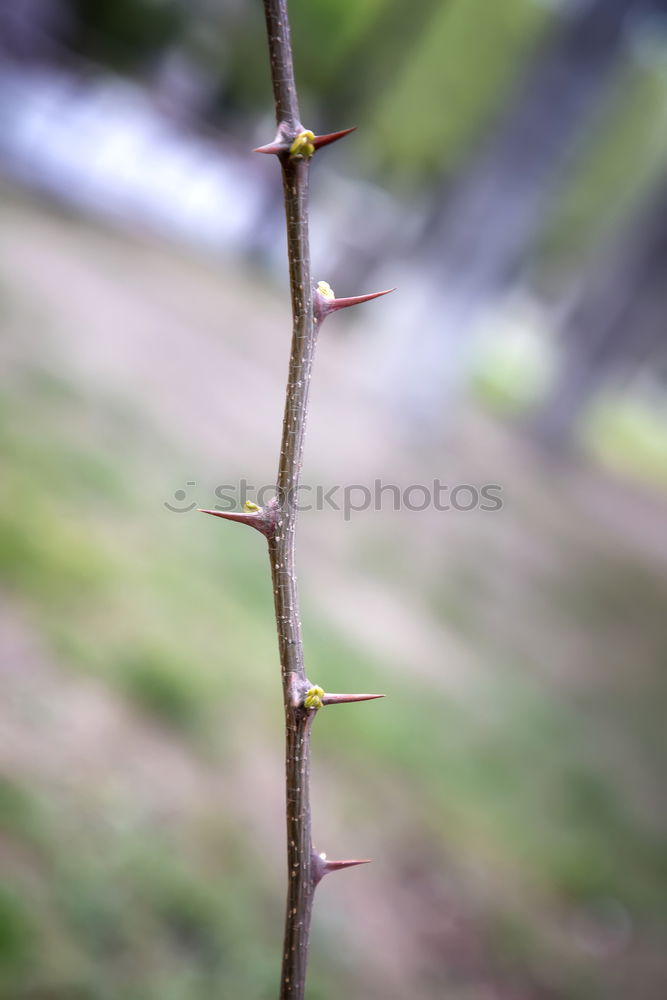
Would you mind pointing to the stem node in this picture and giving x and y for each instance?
(302, 142)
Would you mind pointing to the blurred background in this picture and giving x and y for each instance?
(508, 174)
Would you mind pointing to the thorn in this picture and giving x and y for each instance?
(336, 866)
(272, 147)
(324, 304)
(342, 699)
(355, 300)
(321, 867)
(280, 145)
(263, 519)
(324, 140)
(243, 517)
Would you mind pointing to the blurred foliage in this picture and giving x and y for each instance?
(123, 894)
(451, 65)
(127, 34)
(629, 435)
(618, 159)
(424, 85)
(525, 782)
(452, 79)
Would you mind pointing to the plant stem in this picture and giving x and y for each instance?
(298, 720)
(282, 65)
(294, 147)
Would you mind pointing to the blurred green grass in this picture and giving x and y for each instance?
(504, 791)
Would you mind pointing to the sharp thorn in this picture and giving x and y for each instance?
(341, 699)
(325, 304)
(320, 866)
(272, 147)
(325, 140)
(336, 866)
(355, 300)
(256, 519)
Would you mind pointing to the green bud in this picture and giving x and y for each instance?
(303, 144)
(314, 698)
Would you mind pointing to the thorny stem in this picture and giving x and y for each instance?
(298, 720)
(294, 147)
(277, 520)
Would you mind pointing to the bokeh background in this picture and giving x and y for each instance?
(508, 174)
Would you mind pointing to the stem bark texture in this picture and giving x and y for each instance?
(298, 720)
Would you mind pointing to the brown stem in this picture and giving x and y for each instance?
(278, 519)
(282, 67)
(300, 875)
(298, 721)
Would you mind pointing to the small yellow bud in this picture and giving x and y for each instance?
(303, 144)
(325, 290)
(313, 698)
(251, 507)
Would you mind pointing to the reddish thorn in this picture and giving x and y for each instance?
(336, 866)
(321, 867)
(355, 300)
(323, 306)
(257, 519)
(324, 140)
(273, 147)
(278, 147)
(342, 699)
(241, 516)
